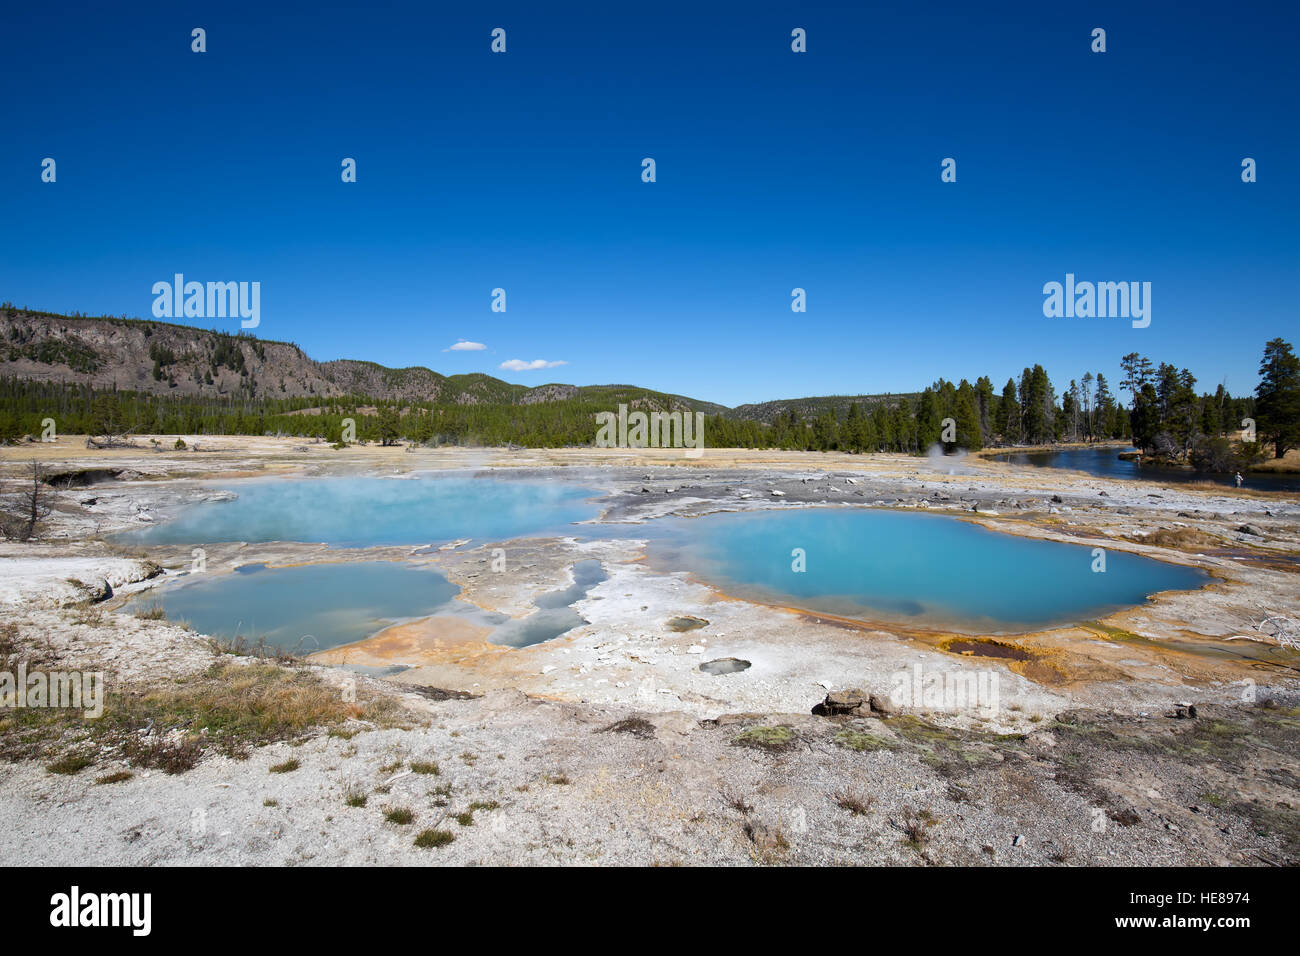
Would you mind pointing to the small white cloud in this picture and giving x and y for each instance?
(519, 365)
(463, 346)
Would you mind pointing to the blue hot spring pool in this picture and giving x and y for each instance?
(319, 606)
(303, 609)
(362, 512)
(921, 569)
(309, 608)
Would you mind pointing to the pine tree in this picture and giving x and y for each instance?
(387, 427)
(1009, 414)
(1085, 394)
(969, 435)
(1105, 405)
(987, 402)
(1137, 372)
(929, 427)
(1278, 407)
(853, 429)
(1145, 418)
(1037, 402)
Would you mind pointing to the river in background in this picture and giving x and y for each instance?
(1104, 461)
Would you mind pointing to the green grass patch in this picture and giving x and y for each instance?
(775, 738)
(69, 764)
(434, 838)
(861, 741)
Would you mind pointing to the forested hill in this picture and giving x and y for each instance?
(116, 376)
(813, 407)
(180, 361)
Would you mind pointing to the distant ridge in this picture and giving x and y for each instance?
(164, 358)
(809, 408)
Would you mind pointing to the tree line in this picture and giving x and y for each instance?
(1164, 416)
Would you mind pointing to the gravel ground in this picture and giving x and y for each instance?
(556, 785)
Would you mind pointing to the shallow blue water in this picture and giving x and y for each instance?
(361, 512)
(313, 607)
(554, 615)
(928, 570)
(923, 569)
(303, 609)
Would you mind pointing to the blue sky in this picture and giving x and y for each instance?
(775, 170)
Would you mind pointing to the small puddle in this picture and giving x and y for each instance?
(725, 665)
(685, 623)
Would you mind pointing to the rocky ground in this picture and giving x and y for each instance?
(611, 744)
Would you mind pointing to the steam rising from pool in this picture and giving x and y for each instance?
(363, 512)
(946, 464)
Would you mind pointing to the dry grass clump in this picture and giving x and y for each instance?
(69, 764)
(769, 841)
(238, 706)
(10, 644)
(169, 756)
(242, 646)
(1178, 539)
(231, 708)
(857, 804)
(737, 802)
(1246, 491)
(434, 838)
(636, 726)
(916, 828)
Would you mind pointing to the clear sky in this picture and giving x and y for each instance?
(775, 170)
